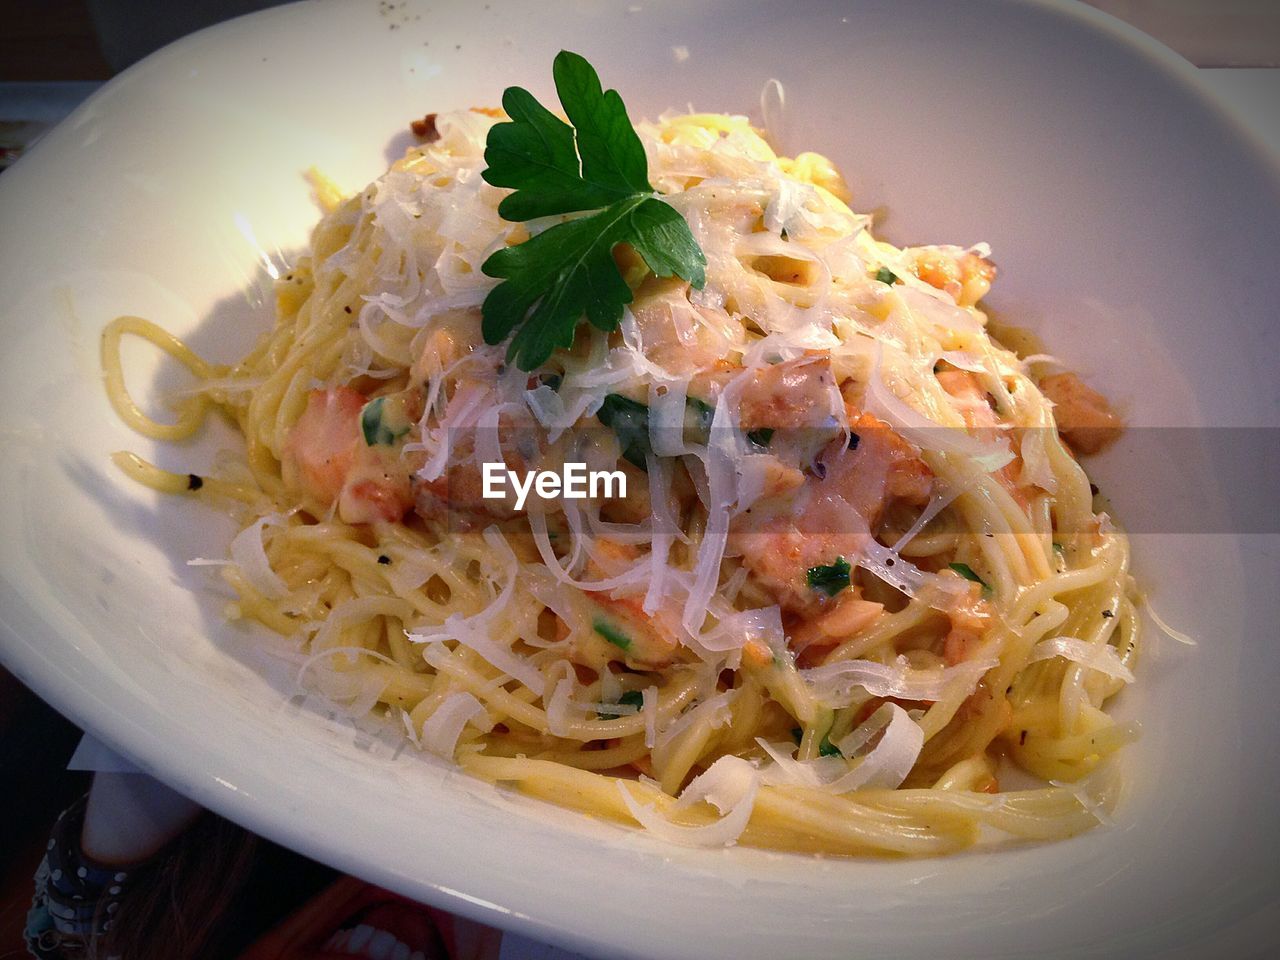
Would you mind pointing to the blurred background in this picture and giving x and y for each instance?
(43, 40)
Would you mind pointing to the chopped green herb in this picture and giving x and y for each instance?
(598, 164)
(632, 698)
(1059, 549)
(760, 437)
(629, 420)
(885, 275)
(612, 634)
(831, 578)
(966, 571)
(373, 426)
(825, 747)
(697, 420)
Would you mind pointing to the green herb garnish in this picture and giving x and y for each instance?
(825, 747)
(598, 165)
(629, 420)
(885, 275)
(831, 578)
(374, 427)
(632, 698)
(966, 571)
(612, 634)
(698, 415)
(761, 437)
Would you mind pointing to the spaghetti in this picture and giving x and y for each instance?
(860, 576)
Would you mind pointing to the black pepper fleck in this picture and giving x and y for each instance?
(194, 481)
(1107, 614)
(383, 559)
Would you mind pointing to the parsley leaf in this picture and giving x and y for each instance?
(629, 420)
(597, 164)
(825, 747)
(885, 275)
(830, 578)
(612, 634)
(374, 426)
(698, 415)
(632, 698)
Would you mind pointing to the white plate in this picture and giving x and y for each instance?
(1134, 222)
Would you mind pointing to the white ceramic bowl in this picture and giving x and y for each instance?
(1135, 225)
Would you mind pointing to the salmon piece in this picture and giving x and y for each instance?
(677, 335)
(620, 627)
(1084, 417)
(797, 402)
(845, 615)
(321, 447)
(831, 515)
(456, 499)
(969, 618)
(963, 276)
(623, 631)
(756, 654)
(982, 420)
(327, 462)
(791, 395)
(450, 337)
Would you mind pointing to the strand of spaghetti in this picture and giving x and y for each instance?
(166, 481)
(536, 719)
(624, 752)
(191, 412)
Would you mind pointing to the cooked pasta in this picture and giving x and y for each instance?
(858, 581)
